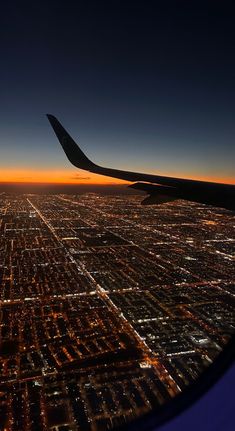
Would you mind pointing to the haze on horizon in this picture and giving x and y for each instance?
(139, 87)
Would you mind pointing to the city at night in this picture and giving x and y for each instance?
(117, 215)
(108, 309)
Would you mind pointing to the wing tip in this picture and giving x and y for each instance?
(73, 152)
(51, 117)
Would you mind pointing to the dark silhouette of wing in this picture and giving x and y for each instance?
(161, 189)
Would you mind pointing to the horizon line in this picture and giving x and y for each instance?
(116, 183)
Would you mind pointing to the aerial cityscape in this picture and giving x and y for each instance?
(108, 309)
(117, 215)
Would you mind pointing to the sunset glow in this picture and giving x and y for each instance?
(54, 177)
(51, 176)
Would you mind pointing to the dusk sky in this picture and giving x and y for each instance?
(147, 86)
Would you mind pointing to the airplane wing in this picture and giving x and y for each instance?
(159, 188)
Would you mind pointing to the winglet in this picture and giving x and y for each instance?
(71, 149)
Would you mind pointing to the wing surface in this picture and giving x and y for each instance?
(216, 194)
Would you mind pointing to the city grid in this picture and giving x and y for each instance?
(108, 308)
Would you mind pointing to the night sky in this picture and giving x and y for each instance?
(142, 85)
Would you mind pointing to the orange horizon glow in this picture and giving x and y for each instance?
(83, 178)
(54, 177)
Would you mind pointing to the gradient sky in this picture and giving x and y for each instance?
(141, 85)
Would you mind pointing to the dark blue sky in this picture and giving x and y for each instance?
(145, 86)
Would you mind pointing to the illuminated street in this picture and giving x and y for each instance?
(108, 308)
